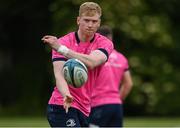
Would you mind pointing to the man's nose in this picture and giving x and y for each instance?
(90, 24)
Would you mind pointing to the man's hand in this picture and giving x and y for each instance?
(67, 102)
(52, 41)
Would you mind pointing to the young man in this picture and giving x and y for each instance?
(70, 106)
(108, 95)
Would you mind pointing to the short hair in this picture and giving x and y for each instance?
(90, 9)
(105, 31)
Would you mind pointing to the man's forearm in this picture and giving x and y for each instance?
(62, 87)
(91, 61)
(124, 91)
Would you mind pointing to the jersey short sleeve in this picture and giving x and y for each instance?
(105, 45)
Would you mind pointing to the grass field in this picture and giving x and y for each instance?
(129, 122)
(152, 122)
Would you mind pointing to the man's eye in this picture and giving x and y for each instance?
(86, 20)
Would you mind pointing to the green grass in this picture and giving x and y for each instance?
(152, 122)
(128, 122)
(23, 122)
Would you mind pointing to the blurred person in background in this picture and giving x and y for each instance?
(112, 86)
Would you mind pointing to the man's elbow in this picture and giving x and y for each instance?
(130, 84)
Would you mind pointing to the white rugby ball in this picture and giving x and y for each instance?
(75, 73)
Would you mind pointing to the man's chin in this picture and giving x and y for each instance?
(89, 33)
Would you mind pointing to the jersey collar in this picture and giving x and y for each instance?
(78, 40)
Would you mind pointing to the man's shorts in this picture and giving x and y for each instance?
(57, 117)
(109, 115)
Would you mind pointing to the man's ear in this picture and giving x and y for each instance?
(78, 19)
(99, 23)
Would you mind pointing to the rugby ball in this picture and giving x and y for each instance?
(75, 73)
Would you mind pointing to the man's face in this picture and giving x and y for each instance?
(88, 25)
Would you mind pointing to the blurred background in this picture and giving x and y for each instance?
(147, 32)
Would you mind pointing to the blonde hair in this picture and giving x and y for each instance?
(90, 9)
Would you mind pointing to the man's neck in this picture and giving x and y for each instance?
(84, 38)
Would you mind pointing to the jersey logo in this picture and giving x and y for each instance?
(70, 123)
